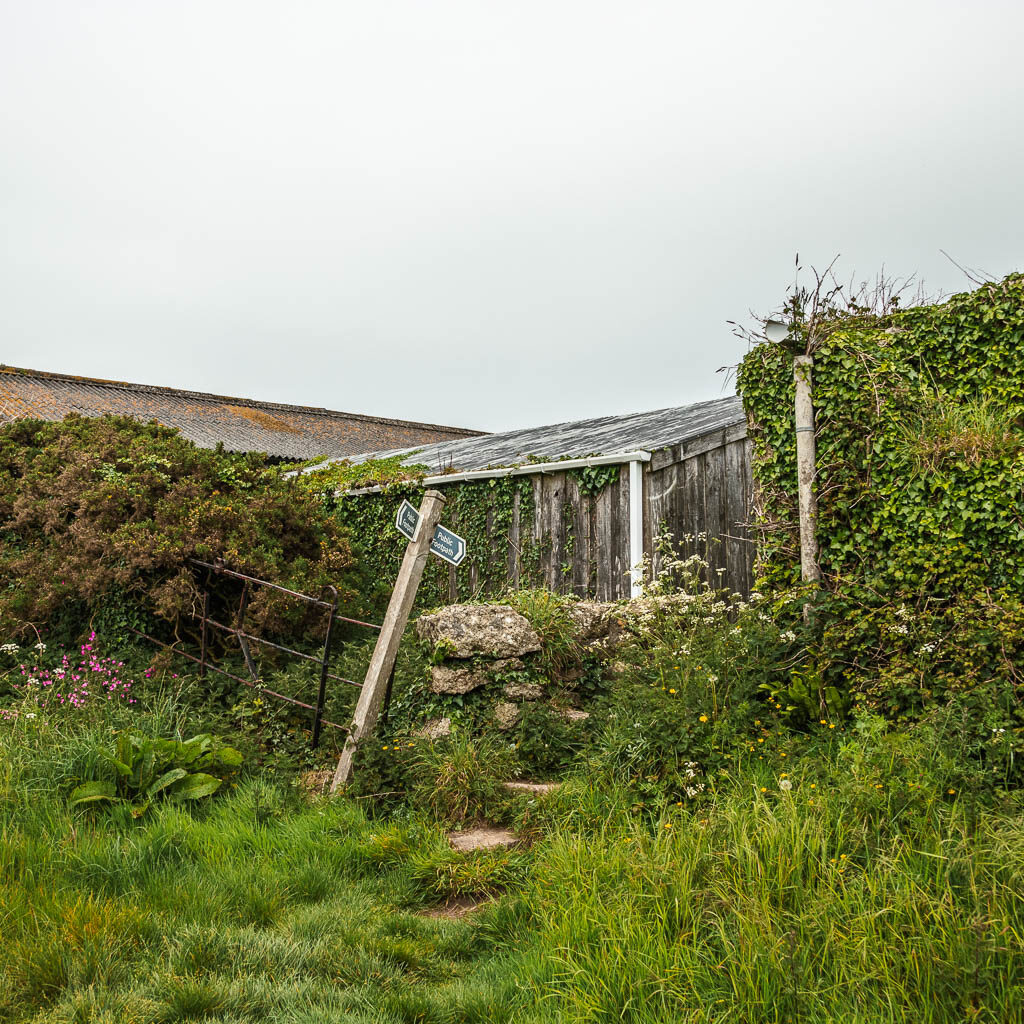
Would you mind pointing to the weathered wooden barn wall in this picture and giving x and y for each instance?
(700, 491)
(582, 540)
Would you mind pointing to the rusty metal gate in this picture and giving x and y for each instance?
(327, 601)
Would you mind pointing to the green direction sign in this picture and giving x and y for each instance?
(407, 520)
(448, 546)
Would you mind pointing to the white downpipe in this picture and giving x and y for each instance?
(636, 528)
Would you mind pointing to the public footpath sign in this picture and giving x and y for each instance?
(448, 546)
(407, 520)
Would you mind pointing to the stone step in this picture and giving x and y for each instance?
(486, 837)
(537, 788)
(455, 908)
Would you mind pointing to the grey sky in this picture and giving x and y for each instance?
(493, 215)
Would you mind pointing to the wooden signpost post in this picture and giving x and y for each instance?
(425, 536)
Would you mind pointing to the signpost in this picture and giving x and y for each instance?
(446, 545)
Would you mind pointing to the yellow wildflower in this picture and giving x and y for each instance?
(703, 718)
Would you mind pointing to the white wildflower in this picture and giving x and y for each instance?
(785, 785)
(9, 648)
(789, 636)
(40, 647)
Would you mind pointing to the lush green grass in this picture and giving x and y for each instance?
(840, 882)
(253, 907)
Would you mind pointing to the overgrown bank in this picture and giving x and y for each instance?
(920, 480)
(98, 518)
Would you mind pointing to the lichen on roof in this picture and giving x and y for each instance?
(293, 432)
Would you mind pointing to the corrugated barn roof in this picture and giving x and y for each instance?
(606, 435)
(240, 424)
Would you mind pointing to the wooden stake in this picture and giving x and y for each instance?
(384, 654)
(810, 571)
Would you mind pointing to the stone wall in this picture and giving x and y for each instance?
(494, 646)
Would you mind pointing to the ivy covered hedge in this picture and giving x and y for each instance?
(920, 485)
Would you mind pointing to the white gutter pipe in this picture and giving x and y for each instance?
(528, 469)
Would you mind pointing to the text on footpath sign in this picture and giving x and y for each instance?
(407, 520)
(448, 546)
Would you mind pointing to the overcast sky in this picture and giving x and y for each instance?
(480, 213)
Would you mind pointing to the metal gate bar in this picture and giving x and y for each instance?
(237, 679)
(327, 600)
(279, 647)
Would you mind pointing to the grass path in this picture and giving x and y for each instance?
(249, 912)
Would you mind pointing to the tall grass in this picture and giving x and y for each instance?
(949, 432)
(766, 910)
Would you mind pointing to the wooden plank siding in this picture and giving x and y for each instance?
(578, 543)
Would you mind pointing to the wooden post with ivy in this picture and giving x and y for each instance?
(384, 654)
(810, 571)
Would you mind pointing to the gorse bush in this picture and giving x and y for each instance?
(97, 518)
